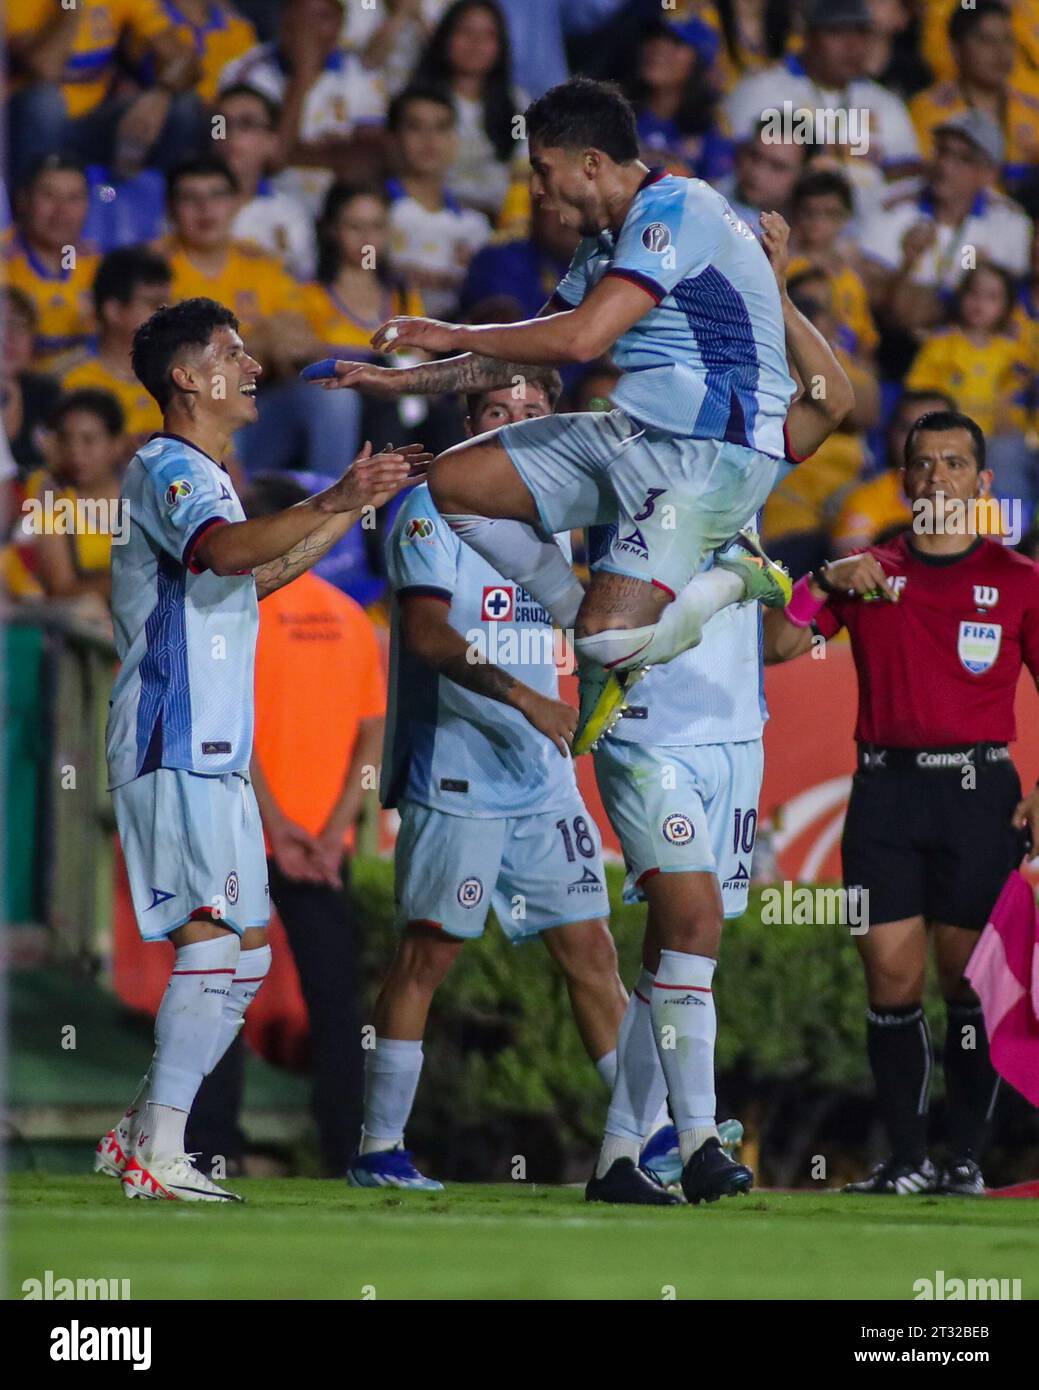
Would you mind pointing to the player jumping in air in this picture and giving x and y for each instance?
(184, 593)
(670, 281)
(679, 778)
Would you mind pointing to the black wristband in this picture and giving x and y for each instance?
(819, 575)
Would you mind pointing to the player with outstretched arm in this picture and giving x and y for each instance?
(184, 603)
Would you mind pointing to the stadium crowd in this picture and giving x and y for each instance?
(320, 165)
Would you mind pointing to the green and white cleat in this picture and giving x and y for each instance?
(603, 700)
(764, 580)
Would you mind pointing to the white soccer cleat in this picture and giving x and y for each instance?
(172, 1178)
(113, 1148)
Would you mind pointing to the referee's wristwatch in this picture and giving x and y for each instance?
(819, 577)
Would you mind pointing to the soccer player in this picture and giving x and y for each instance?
(670, 280)
(679, 775)
(477, 761)
(185, 587)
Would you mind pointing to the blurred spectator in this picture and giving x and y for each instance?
(124, 209)
(390, 36)
(801, 510)
(130, 285)
(86, 472)
(748, 35)
(894, 55)
(28, 397)
(675, 105)
(64, 61)
(527, 268)
(274, 221)
(212, 29)
(914, 252)
(763, 179)
(538, 30)
(830, 74)
(206, 260)
(879, 506)
(982, 42)
(982, 357)
(821, 208)
(934, 36)
(355, 292)
(48, 259)
(332, 106)
(320, 706)
(432, 238)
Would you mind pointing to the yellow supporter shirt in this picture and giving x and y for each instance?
(91, 550)
(223, 36)
(931, 108)
(991, 383)
(870, 509)
(143, 415)
(252, 284)
(64, 302)
(99, 26)
(807, 497)
(850, 306)
(934, 35)
(332, 322)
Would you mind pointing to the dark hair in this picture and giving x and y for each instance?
(778, 22)
(1009, 289)
(585, 114)
(94, 401)
(190, 323)
(822, 183)
(550, 382)
(58, 163)
(268, 493)
(203, 166)
(496, 98)
(964, 22)
(417, 91)
(122, 271)
(940, 422)
(696, 110)
(242, 89)
(338, 196)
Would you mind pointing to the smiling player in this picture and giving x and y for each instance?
(184, 593)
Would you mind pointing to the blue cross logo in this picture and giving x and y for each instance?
(497, 602)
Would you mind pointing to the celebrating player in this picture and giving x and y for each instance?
(184, 594)
(490, 811)
(671, 281)
(679, 776)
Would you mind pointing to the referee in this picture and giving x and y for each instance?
(940, 620)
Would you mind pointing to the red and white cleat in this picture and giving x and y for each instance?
(113, 1148)
(173, 1178)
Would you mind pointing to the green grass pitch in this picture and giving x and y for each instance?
(298, 1239)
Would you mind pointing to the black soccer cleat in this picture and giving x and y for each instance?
(711, 1174)
(961, 1177)
(625, 1183)
(897, 1179)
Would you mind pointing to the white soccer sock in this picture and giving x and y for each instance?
(521, 553)
(186, 1029)
(391, 1075)
(639, 1091)
(678, 628)
(249, 975)
(684, 1027)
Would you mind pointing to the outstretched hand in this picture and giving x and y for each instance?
(431, 335)
(373, 479)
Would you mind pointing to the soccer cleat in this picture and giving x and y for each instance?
(892, 1178)
(603, 697)
(662, 1158)
(711, 1174)
(172, 1178)
(626, 1184)
(389, 1168)
(110, 1156)
(765, 580)
(961, 1177)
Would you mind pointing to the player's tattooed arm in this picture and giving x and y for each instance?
(304, 555)
(429, 636)
(464, 374)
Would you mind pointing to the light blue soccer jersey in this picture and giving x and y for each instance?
(711, 693)
(708, 359)
(186, 637)
(451, 748)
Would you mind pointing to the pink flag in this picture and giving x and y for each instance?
(1004, 970)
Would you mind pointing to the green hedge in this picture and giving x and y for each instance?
(506, 1074)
